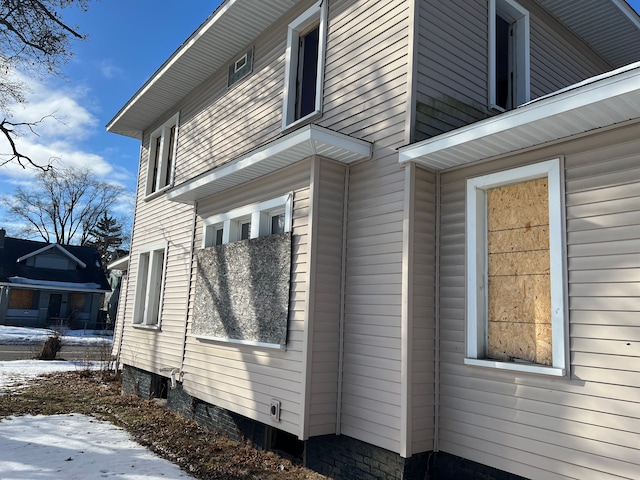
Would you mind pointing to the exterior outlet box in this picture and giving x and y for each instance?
(274, 411)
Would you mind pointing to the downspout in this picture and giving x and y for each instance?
(343, 287)
(436, 366)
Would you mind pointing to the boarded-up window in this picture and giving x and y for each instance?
(519, 291)
(21, 299)
(78, 301)
(242, 291)
(516, 259)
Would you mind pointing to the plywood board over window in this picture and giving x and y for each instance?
(78, 301)
(519, 289)
(20, 299)
(516, 313)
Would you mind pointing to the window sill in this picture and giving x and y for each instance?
(157, 193)
(516, 367)
(233, 341)
(139, 326)
(301, 121)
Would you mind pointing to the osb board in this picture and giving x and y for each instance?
(519, 291)
(520, 341)
(20, 299)
(524, 299)
(521, 205)
(533, 262)
(242, 290)
(77, 301)
(519, 239)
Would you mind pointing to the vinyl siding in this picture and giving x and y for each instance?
(322, 391)
(371, 398)
(245, 379)
(158, 222)
(453, 59)
(365, 94)
(423, 332)
(583, 426)
(219, 124)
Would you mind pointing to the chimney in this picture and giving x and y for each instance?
(2, 234)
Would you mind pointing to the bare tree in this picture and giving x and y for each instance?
(34, 39)
(63, 205)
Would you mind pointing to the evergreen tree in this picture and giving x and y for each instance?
(107, 237)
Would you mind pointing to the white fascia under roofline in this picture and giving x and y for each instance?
(599, 102)
(292, 148)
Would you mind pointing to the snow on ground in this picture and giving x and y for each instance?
(75, 447)
(72, 447)
(18, 372)
(37, 336)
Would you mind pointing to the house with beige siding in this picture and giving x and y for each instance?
(395, 238)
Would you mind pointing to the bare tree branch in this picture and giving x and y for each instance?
(9, 130)
(33, 38)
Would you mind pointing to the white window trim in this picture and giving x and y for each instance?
(476, 315)
(317, 12)
(520, 16)
(239, 63)
(144, 298)
(260, 214)
(164, 133)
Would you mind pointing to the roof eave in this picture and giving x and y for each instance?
(604, 102)
(219, 38)
(294, 147)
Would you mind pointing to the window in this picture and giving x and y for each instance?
(149, 286)
(515, 270)
(306, 42)
(251, 221)
(509, 84)
(162, 156)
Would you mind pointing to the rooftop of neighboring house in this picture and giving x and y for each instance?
(81, 271)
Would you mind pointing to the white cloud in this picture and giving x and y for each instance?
(57, 139)
(62, 110)
(109, 70)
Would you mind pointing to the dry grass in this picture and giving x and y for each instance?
(200, 452)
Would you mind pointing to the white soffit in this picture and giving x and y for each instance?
(600, 102)
(234, 25)
(287, 150)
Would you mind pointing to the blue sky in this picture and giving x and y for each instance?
(128, 41)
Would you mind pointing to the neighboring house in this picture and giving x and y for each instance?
(46, 284)
(350, 245)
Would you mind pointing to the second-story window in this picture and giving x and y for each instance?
(306, 42)
(509, 84)
(162, 148)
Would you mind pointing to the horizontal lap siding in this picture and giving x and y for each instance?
(584, 426)
(158, 222)
(423, 334)
(219, 123)
(453, 62)
(451, 65)
(245, 379)
(364, 96)
(326, 305)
